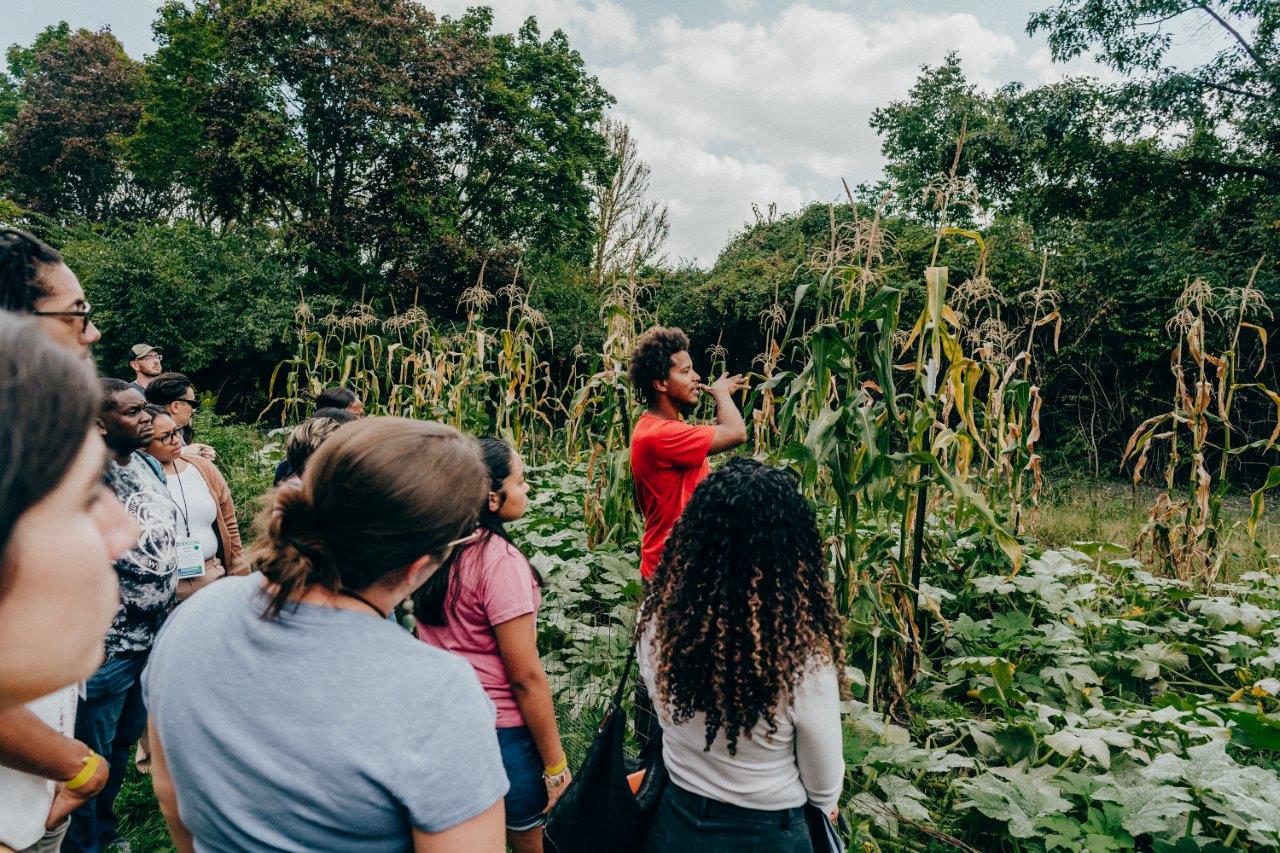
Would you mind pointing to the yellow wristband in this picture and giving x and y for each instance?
(91, 764)
(558, 769)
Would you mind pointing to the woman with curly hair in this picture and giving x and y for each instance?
(740, 647)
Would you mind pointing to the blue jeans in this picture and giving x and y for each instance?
(527, 794)
(110, 719)
(688, 821)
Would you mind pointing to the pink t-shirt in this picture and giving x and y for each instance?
(490, 583)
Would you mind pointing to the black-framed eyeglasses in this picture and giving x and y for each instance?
(166, 437)
(82, 315)
(193, 403)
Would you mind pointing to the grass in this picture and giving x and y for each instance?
(140, 819)
(1085, 510)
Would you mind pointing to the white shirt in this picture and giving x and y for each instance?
(802, 762)
(25, 799)
(197, 511)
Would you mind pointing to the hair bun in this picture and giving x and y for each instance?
(292, 516)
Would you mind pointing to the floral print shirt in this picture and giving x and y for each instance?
(147, 571)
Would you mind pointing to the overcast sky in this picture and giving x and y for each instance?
(732, 102)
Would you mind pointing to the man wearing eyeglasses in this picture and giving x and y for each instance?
(37, 747)
(147, 364)
(34, 280)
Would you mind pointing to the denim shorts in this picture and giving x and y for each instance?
(527, 796)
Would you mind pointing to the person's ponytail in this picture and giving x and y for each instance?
(379, 495)
(288, 555)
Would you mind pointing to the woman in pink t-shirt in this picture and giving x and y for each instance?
(482, 605)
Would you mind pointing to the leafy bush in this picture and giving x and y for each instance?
(1107, 709)
(218, 304)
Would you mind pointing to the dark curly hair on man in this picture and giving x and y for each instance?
(651, 359)
(742, 598)
(23, 259)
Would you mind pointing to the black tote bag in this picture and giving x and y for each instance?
(598, 812)
(823, 834)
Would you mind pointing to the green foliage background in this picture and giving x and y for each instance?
(378, 153)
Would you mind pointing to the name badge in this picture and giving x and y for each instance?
(190, 558)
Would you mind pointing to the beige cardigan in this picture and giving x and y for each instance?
(229, 558)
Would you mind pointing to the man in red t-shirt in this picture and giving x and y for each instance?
(669, 456)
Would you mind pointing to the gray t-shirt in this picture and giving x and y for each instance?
(322, 729)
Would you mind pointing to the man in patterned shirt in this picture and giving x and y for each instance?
(111, 718)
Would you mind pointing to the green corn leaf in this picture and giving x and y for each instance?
(1258, 499)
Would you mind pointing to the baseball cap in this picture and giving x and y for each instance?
(139, 350)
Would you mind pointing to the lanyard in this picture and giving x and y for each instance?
(182, 490)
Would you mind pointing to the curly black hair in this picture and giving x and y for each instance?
(742, 594)
(651, 359)
(22, 257)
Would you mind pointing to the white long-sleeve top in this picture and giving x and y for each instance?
(802, 762)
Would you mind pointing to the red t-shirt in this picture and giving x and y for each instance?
(668, 461)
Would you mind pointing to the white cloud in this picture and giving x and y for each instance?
(709, 196)
(776, 111)
(1039, 69)
(603, 24)
(767, 106)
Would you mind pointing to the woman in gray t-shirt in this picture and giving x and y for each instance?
(288, 713)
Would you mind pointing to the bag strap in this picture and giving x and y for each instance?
(626, 674)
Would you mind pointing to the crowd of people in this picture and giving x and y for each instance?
(270, 691)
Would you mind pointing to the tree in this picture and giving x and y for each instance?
(529, 145)
(78, 97)
(397, 152)
(1125, 214)
(20, 62)
(219, 303)
(630, 230)
(1238, 89)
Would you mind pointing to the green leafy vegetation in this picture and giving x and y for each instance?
(1050, 287)
(1083, 701)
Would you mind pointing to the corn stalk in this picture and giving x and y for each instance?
(1186, 535)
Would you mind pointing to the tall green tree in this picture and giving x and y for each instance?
(1238, 90)
(391, 147)
(19, 62)
(77, 98)
(530, 141)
